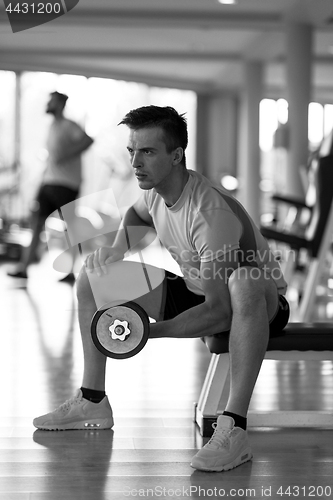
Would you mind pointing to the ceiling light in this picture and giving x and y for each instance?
(229, 182)
(229, 2)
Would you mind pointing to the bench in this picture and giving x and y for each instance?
(298, 341)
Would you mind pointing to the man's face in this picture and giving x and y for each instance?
(149, 157)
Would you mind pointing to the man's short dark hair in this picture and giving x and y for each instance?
(174, 125)
(61, 97)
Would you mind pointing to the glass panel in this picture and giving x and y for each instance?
(7, 145)
(98, 105)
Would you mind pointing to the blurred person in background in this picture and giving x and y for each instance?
(61, 179)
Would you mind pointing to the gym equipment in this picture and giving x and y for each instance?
(120, 331)
(297, 341)
(317, 239)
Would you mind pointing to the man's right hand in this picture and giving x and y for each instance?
(97, 262)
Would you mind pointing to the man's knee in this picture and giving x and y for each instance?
(251, 287)
(246, 284)
(247, 278)
(83, 287)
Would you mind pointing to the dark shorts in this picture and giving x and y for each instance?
(52, 197)
(180, 299)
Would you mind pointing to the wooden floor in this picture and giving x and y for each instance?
(147, 454)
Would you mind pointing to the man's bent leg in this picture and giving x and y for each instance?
(89, 408)
(125, 281)
(254, 300)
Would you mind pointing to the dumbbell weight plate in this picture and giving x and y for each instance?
(132, 316)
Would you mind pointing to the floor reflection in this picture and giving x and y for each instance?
(77, 462)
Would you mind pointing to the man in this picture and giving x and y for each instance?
(231, 284)
(62, 177)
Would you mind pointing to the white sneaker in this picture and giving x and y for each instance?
(226, 449)
(77, 413)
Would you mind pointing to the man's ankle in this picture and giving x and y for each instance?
(239, 420)
(92, 395)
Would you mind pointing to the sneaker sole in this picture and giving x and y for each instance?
(241, 459)
(98, 424)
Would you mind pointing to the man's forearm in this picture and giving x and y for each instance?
(198, 321)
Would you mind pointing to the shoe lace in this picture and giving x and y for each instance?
(220, 438)
(70, 402)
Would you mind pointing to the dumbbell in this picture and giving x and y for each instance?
(120, 331)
